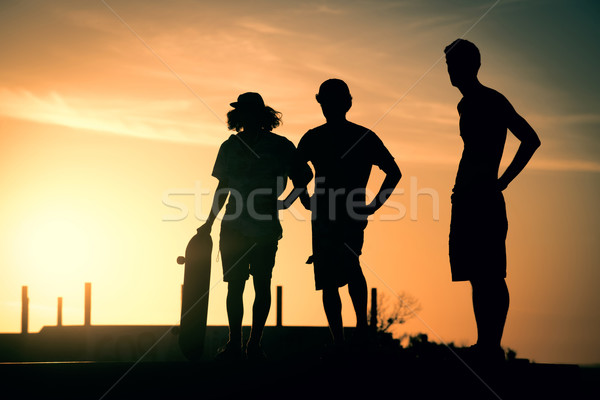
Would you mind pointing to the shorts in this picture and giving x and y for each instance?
(243, 256)
(336, 251)
(477, 243)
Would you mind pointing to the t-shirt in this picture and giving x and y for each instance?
(342, 157)
(484, 119)
(256, 175)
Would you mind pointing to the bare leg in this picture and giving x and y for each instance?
(260, 309)
(357, 289)
(332, 303)
(235, 311)
(490, 304)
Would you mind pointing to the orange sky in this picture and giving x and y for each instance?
(109, 110)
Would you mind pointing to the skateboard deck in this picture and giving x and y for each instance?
(194, 298)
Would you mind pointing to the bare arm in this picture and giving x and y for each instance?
(529, 144)
(301, 175)
(218, 202)
(294, 194)
(392, 177)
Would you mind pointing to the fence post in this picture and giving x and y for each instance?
(88, 304)
(59, 312)
(24, 310)
(374, 308)
(279, 305)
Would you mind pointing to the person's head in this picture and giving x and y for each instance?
(250, 112)
(334, 98)
(463, 60)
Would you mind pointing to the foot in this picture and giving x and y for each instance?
(493, 355)
(230, 352)
(483, 355)
(334, 352)
(360, 338)
(255, 353)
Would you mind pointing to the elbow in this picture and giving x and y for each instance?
(534, 144)
(395, 175)
(398, 176)
(306, 179)
(301, 179)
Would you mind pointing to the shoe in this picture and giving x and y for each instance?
(230, 352)
(334, 353)
(360, 338)
(494, 355)
(482, 355)
(255, 353)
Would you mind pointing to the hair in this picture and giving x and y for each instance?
(465, 52)
(267, 118)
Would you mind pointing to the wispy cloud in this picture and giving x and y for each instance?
(565, 165)
(264, 28)
(327, 9)
(147, 119)
(587, 118)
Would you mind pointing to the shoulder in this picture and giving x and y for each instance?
(310, 136)
(279, 140)
(355, 127)
(359, 129)
(499, 102)
(311, 133)
(276, 138)
(493, 93)
(364, 133)
(228, 143)
(494, 96)
(230, 140)
(485, 100)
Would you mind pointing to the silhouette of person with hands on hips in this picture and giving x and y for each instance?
(249, 165)
(342, 154)
(479, 223)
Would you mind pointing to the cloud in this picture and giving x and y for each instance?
(263, 28)
(587, 118)
(565, 165)
(142, 118)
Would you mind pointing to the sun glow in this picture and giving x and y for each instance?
(57, 248)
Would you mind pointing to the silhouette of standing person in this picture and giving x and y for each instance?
(252, 167)
(342, 154)
(479, 224)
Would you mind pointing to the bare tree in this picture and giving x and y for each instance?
(394, 311)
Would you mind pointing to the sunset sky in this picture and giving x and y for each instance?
(111, 114)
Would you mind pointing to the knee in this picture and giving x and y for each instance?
(235, 288)
(331, 294)
(357, 277)
(262, 287)
(358, 282)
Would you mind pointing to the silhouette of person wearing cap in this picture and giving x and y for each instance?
(252, 167)
(342, 154)
(479, 224)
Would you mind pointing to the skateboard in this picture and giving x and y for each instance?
(194, 296)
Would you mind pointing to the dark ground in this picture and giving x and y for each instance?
(354, 375)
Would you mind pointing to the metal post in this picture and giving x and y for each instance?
(279, 304)
(59, 312)
(24, 310)
(374, 307)
(88, 304)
